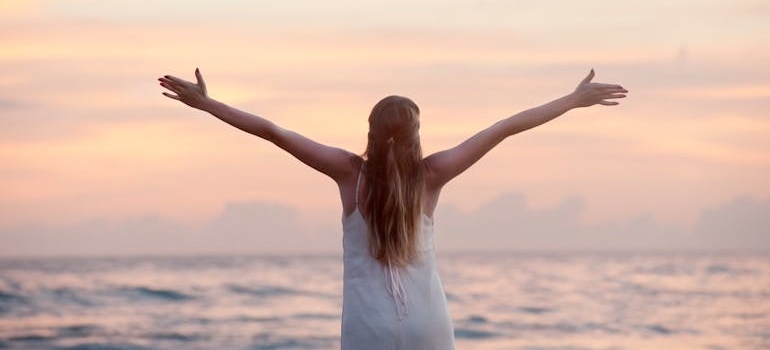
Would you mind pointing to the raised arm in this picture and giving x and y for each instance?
(334, 162)
(445, 165)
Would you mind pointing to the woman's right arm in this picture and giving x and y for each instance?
(332, 161)
(445, 165)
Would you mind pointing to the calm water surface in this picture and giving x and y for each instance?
(522, 301)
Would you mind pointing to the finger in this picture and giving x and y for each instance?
(614, 96)
(168, 86)
(614, 88)
(615, 91)
(608, 86)
(588, 78)
(608, 103)
(176, 80)
(171, 96)
(200, 80)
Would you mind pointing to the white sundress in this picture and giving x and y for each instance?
(391, 308)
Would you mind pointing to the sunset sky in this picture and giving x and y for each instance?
(94, 160)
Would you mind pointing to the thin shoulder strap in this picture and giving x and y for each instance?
(358, 183)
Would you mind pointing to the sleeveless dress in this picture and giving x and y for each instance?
(390, 308)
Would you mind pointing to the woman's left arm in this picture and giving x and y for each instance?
(445, 165)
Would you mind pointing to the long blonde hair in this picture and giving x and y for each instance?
(395, 183)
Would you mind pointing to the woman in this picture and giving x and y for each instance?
(392, 294)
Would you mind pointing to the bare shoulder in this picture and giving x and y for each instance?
(353, 166)
(433, 187)
(356, 163)
(431, 177)
(347, 183)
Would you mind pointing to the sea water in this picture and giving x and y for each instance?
(516, 300)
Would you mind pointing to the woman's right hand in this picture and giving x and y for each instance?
(588, 93)
(191, 94)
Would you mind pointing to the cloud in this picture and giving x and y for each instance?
(241, 228)
(505, 223)
(264, 227)
(6, 104)
(741, 222)
(147, 235)
(508, 223)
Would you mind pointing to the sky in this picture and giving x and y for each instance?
(95, 161)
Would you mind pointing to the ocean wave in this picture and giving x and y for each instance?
(31, 338)
(285, 344)
(534, 309)
(10, 302)
(270, 291)
(249, 319)
(262, 291)
(467, 333)
(140, 293)
(100, 346)
(315, 316)
(664, 330)
(7, 296)
(45, 301)
(76, 296)
(726, 269)
(564, 328)
(665, 269)
(43, 337)
(289, 319)
(658, 329)
(476, 319)
(659, 291)
(266, 341)
(177, 336)
(78, 331)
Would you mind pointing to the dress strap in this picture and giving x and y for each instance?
(358, 184)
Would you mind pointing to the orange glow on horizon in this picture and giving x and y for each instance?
(85, 122)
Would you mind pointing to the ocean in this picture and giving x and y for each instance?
(517, 300)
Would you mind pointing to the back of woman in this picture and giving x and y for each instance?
(392, 294)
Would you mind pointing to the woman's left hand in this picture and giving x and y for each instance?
(588, 93)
